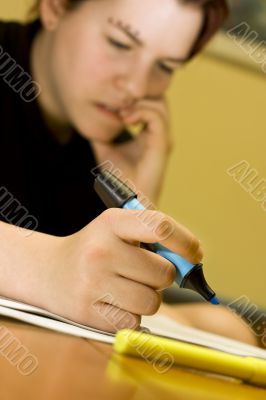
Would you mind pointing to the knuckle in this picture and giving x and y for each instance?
(163, 227)
(108, 214)
(97, 253)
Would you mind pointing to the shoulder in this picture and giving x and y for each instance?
(16, 38)
(8, 32)
(16, 98)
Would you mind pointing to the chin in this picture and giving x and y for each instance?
(98, 134)
(93, 127)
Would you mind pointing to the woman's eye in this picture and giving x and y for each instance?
(122, 46)
(118, 44)
(166, 69)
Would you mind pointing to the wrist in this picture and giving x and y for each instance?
(25, 257)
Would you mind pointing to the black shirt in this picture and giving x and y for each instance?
(49, 182)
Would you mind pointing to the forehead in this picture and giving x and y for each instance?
(167, 24)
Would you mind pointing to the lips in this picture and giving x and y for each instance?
(113, 108)
(108, 111)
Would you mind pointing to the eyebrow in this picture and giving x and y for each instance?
(126, 28)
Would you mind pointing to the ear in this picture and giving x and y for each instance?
(51, 12)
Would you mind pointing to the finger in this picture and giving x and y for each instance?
(155, 122)
(149, 226)
(137, 116)
(145, 267)
(131, 296)
(149, 108)
(111, 318)
(161, 105)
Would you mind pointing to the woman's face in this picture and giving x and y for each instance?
(91, 59)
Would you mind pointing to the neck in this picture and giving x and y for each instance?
(52, 112)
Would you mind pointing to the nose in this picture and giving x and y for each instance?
(133, 85)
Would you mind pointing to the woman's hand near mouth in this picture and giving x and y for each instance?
(142, 160)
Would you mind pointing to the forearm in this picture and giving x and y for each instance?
(217, 320)
(24, 257)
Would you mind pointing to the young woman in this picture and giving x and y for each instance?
(92, 68)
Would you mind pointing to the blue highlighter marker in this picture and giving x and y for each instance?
(114, 193)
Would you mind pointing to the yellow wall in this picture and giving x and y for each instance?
(218, 119)
(14, 9)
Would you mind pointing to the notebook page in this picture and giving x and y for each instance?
(27, 308)
(158, 324)
(57, 325)
(164, 326)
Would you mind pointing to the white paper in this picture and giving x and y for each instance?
(158, 324)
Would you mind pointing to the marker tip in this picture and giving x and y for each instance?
(214, 300)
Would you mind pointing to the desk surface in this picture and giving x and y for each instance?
(68, 367)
